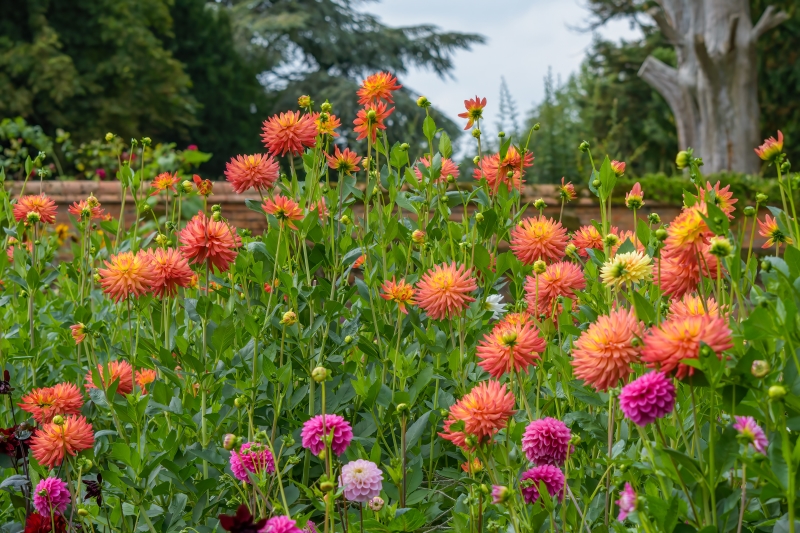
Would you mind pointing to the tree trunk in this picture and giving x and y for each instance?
(713, 92)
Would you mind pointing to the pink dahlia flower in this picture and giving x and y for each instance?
(647, 398)
(546, 441)
(51, 493)
(361, 480)
(281, 524)
(251, 457)
(321, 425)
(750, 431)
(500, 494)
(553, 480)
(626, 502)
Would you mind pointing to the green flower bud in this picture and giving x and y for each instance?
(761, 198)
(749, 211)
(476, 160)
(682, 159)
(109, 137)
(476, 133)
(501, 134)
(584, 146)
(539, 267)
(423, 102)
(319, 374)
(479, 217)
(776, 392)
(653, 218)
(536, 126)
(404, 147)
(759, 368)
(596, 183)
(348, 339)
(326, 107)
(661, 234)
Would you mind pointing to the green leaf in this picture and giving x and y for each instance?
(445, 147)
(429, 127)
(608, 178)
(415, 430)
(644, 309)
(717, 221)
(409, 520)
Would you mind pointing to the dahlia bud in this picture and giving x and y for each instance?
(661, 234)
(761, 198)
(749, 211)
(161, 239)
(187, 186)
(348, 339)
(246, 232)
(404, 147)
(501, 134)
(721, 247)
(596, 183)
(402, 407)
(536, 126)
(450, 178)
(611, 240)
(371, 115)
(539, 204)
(618, 167)
(471, 441)
(760, 368)
(146, 207)
(109, 137)
(326, 486)
(345, 219)
(766, 266)
(326, 107)
(294, 459)
(324, 117)
(82, 512)
(58, 420)
(476, 133)
(319, 374)
(96, 278)
(216, 216)
(653, 218)
(229, 441)
(240, 402)
(418, 236)
(375, 190)
(304, 101)
(84, 464)
(510, 174)
(423, 102)
(571, 250)
(376, 504)
(476, 160)
(500, 494)
(786, 166)
(776, 392)
(479, 217)
(289, 318)
(682, 160)
(33, 217)
(146, 141)
(539, 267)
(584, 146)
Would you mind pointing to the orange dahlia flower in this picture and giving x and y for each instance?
(117, 370)
(289, 132)
(496, 170)
(370, 119)
(144, 377)
(204, 187)
(52, 442)
(517, 318)
(78, 332)
(35, 208)
(769, 229)
(485, 410)
(400, 292)
(170, 271)
(510, 347)
(603, 353)
(204, 239)
(46, 402)
(284, 209)
(559, 279)
(258, 171)
(538, 238)
(448, 169)
(679, 338)
(443, 291)
(676, 277)
(126, 274)
(692, 305)
(326, 123)
(771, 148)
(474, 110)
(687, 234)
(376, 87)
(164, 182)
(587, 237)
(567, 191)
(84, 210)
(343, 161)
(723, 198)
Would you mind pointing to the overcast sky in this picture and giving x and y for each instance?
(524, 39)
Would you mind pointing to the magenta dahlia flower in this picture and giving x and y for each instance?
(626, 502)
(252, 457)
(546, 441)
(317, 427)
(51, 493)
(281, 524)
(361, 480)
(647, 398)
(553, 480)
(751, 432)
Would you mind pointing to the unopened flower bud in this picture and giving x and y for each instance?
(376, 504)
(749, 211)
(216, 216)
(476, 160)
(109, 137)
(539, 267)
(653, 218)
(319, 374)
(344, 219)
(33, 217)
(304, 101)
(326, 486)
(584, 146)
(611, 240)
(479, 217)
(510, 174)
(423, 102)
(721, 247)
(786, 166)
(596, 183)
(229, 441)
(348, 339)
(82, 512)
(404, 147)
(161, 239)
(187, 187)
(471, 441)
(451, 178)
(759, 368)
(661, 234)
(240, 402)
(375, 190)
(571, 250)
(766, 266)
(418, 236)
(536, 126)
(501, 134)
(776, 392)
(96, 278)
(371, 115)
(682, 159)
(761, 198)
(146, 141)
(326, 107)
(402, 407)
(476, 133)
(58, 420)
(289, 318)
(540, 204)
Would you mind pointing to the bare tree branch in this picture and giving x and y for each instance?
(663, 79)
(769, 19)
(665, 25)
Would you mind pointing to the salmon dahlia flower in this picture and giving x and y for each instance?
(448, 169)
(377, 87)
(618, 167)
(538, 238)
(474, 111)
(127, 274)
(692, 305)
(771, 148)
(496, 171)
(510, 348)
(400, 292)
(284, 209)
(52, 442)
(78, 332)
(84, 210)
(258, 171)
(345, 162)
(289, 133)
(164, 182)
(772, 232)
(567, 191)
(484, 411)
(35, 208)
(170, 271)
(46, 402)
(687, 235)
(370, 119)
(676, 277)
(587, 237)
(443, 291)
(680, 338)
(204, 239)
(634, 199)
(723, 198)
(604, 353)
(559, 279)
(121, 371)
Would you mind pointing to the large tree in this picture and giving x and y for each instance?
(713, 87)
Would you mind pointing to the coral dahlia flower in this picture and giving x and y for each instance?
(144, 377)
(376, 87)
(289, 132)
(474, 110)
(723, 198)
(618, 167)
(370, 119)
(127, 274)
(538, 238)
(344, 162)
(496, 170)
(52, 441)
(559, 279)
(170, 271)
(567, 191)
(84, 210)
(686, 235)
(204, 187)
(121, 371)
(35, 208)
(771, 148)
(257, 171)
(692, 305)
(326, 123)
(443, 291)
(485, 410)
(603, 353)
(680, 338)
(284, 209)
(587, 237)
(46, 402)
(204, 239)
(164, 182)
(770, 230)
(634, 199)
(510, 347)
(626, 269)
(400, 292)
(676, 278)
(448, 169)
(78, 332)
